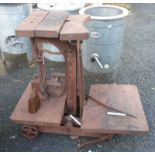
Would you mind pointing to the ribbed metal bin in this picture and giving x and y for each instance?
(10, 16)
(102, 51)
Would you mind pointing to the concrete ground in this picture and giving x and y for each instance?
(137, 67)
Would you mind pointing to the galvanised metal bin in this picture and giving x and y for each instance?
(10, 16)
(102, 51)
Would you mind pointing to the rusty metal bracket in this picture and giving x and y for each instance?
(95, 141)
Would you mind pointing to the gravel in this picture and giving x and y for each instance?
(137, 67)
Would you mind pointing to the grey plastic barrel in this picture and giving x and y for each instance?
(10, 17)
(72, 9)
(102, 51)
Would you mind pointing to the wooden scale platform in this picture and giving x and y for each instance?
(109, 108)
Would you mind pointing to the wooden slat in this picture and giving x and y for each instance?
(80, 78)
(74, 29)
(71, 82)
(51, 25)
(27, 27)
(123, 97)
(68, 131)
(50, 112)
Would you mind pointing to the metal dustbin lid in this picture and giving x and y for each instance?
(61, 6)
(105, 12)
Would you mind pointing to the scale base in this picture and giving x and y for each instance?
(95, 120)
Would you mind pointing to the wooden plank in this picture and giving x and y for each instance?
(27, 27)
(74, 29)
(64, 130)
(71, 82)
(50, 112)
(51, 25)
(123, 97)
(80, 78)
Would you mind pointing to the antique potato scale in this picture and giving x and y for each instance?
(60, 105)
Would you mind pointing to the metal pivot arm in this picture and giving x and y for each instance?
(103, 104)
(95, 57)
(40, 61)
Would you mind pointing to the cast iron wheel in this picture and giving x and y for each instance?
(29, 131)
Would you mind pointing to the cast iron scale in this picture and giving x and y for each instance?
(59, 105)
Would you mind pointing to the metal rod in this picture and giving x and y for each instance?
(75, 120)
(39, 56)
(103, 104)
(99, 63)
(116, 113)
